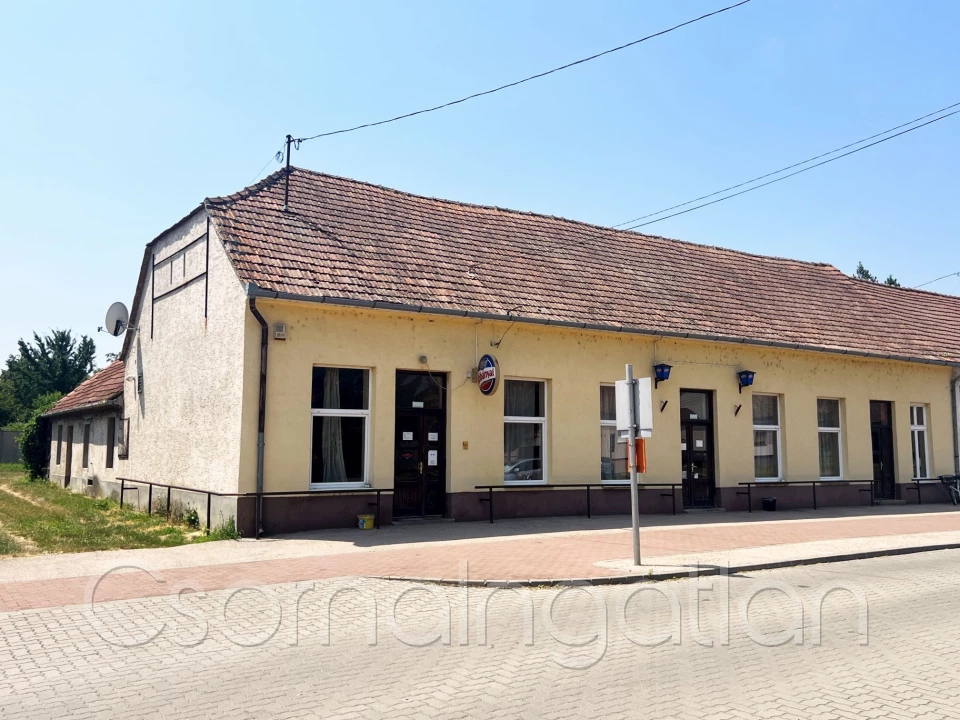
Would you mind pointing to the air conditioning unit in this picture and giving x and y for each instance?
(280, 331)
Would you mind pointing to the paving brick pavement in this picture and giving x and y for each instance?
(564, 555)
(242, 655)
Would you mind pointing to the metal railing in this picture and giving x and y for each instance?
(812, 483)
(128, 484)
(573, 486)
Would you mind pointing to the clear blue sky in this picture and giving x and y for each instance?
(119, 119)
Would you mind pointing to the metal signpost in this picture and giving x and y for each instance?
(634, 419)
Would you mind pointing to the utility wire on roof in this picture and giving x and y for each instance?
(931, 282)
(797, 172)
(788, 167)
(524, 80)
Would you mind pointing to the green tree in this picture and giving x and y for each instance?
(863, 274)
(10, 409)
(892, 281)
(34, 437)
(54, 363)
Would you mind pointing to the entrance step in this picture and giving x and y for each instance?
(696, 510)
(884, 501)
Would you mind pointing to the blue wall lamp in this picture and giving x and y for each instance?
(661, 373)
(746, 378)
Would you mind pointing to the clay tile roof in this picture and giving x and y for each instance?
(98, 389)
(350, 240)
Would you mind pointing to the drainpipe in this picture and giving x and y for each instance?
(956, 424)
(261, 413)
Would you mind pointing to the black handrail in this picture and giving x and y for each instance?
(606, 486)
(812, 483)
(280, 493)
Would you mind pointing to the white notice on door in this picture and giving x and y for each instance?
(433, 437)
(418, 403)
(407, 436)
(683, 446)
(699, 443)
(431, 457)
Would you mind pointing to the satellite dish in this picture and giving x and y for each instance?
(117, 319)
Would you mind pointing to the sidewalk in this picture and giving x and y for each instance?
(534, 551)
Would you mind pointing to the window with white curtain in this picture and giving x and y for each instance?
(524, 431)
(828, 428)
(613, 454)
(766, 437)
(918, 438)
(340, 409)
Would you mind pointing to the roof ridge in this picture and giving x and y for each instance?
(276, 175)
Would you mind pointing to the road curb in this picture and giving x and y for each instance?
(652, 576)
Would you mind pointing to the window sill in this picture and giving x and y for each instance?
(832, 479)
(333, 487)
(618, 482)
(521, 483)
(768, 480)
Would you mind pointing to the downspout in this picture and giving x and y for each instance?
(261, 414)
(956, 424)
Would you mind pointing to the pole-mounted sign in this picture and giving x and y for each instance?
(634, 420)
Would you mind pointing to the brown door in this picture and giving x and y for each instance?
(696, 448)
(881, 435)
(420, 442)
(69, 458)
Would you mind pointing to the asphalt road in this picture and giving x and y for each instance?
(888, 646)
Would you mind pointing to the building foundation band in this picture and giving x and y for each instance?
(461, 359)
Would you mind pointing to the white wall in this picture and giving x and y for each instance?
(96, 470)
(185, 425)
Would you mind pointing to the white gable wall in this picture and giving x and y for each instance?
(185, 424)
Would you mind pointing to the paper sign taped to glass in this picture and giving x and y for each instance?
(431, 457)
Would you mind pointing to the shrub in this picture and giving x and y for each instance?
(34, 441)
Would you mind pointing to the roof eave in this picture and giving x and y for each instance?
(253, 290)
(110, 404)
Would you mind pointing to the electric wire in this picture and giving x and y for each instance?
(944, 277)
(524, 80)
(788, 167)
(803, 170)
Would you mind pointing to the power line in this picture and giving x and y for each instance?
(277, 156)
(788, 167)
(931, 282)
(524, 80)
(776, 180)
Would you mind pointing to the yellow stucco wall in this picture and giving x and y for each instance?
(574, 364)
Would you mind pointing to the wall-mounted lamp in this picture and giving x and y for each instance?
(746, 378)
(661, 372)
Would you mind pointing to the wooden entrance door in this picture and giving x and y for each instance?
(420, 445)
(696, 448)
(881, 434)
(68, 460)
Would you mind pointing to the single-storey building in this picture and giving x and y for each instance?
(86, 429)
(312, 337)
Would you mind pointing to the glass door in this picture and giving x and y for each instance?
(696, 448)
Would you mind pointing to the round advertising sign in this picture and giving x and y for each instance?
(488, 374)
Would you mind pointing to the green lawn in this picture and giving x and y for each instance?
(39, 517)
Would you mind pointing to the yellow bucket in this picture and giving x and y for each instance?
(365, 522)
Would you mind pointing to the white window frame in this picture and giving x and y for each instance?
(613, 424)
(339, 412)
(916, 428)
(839, 433)
(542, 421)
(775, 428)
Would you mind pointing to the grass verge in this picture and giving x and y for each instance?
(39, 517)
